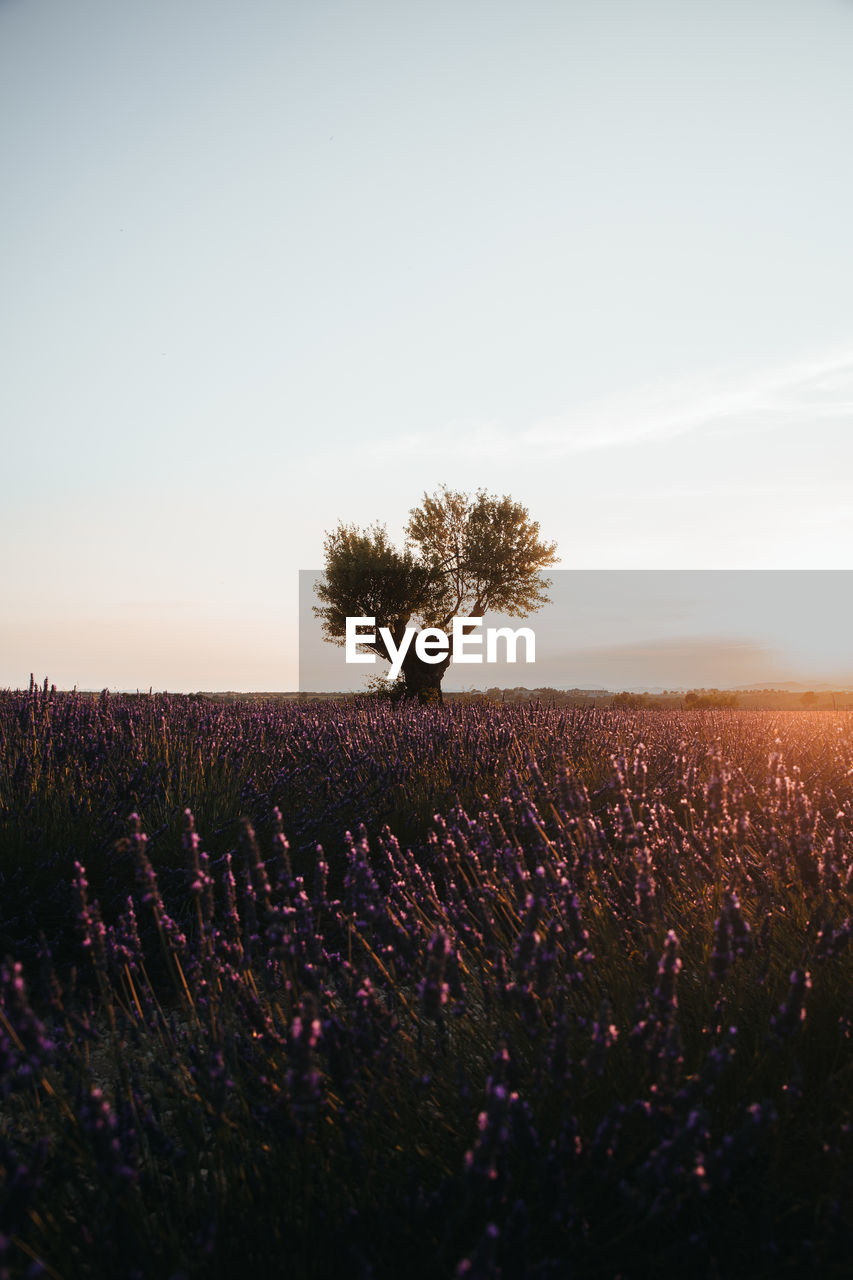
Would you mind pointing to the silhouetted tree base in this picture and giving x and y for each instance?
(426, 697)
(423, 679)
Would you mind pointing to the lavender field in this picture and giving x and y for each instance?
(463, 991)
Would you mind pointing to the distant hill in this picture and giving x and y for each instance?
(793, 686)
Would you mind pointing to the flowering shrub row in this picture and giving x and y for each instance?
(592, 1017)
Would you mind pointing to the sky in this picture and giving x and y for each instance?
(273, 265)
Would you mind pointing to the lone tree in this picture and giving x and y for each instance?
(464, 556)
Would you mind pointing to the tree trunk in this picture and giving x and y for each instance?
(423, 679)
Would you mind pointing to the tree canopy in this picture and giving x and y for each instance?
(464, 555)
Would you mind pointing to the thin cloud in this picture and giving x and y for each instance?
(701, 661)
(819, 389)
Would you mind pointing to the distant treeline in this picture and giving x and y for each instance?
(697, 699)
(671, 699)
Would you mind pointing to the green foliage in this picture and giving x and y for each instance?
(383, 690)
(464, 556)
(630, 701)
(709, 698)
(487, 550)
(366, 576)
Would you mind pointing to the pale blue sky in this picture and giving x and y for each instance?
(271, 264)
